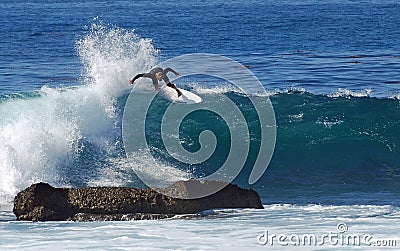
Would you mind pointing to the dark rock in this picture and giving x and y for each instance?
(118, 217)
(42, 202)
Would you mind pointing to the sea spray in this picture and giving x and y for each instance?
(111, 56)
(43, 137)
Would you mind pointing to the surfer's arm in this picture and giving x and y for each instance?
(136, 77)
(170, 70)
(146, 75)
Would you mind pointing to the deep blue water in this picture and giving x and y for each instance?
(315, 44)
(333, 66)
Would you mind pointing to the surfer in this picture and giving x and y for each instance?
(157, 74)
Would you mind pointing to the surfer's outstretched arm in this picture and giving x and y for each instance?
(146, 75)
(136, 77)
(166, 70)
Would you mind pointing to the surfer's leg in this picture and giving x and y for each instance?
(174, 87)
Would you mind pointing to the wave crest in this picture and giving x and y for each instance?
(43, 135)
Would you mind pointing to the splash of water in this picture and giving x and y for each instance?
(39, 135)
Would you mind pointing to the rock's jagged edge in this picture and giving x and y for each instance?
(42, 202)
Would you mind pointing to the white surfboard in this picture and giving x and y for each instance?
(187, 97)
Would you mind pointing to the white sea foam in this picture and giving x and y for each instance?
(224, 229)
(296, 117)
(328, 122)
(396, 96)
(37, 134)
(217, 89)
(150, 169)
(228, 88)
(342, 92)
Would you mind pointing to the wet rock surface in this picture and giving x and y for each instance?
(42, 202)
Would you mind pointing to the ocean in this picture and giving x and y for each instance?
(329, 70)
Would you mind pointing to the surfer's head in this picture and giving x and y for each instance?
(159, 76)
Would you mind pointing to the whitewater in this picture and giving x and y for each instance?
(43, 132)
(218, 230)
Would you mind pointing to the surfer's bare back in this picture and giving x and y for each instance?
(158, 74)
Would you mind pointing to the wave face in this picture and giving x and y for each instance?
(333, 145)
(340, 147)
(329, 148)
